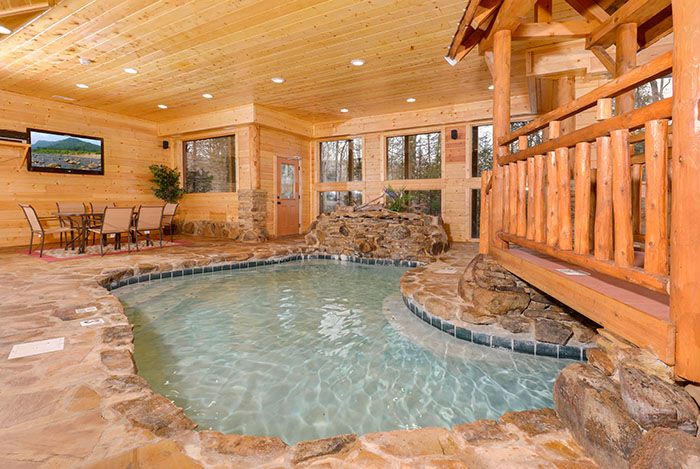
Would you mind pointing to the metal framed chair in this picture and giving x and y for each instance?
(37, 228)
(115, 220)
(168, 217)
(149, 219)
(98, 209)
(64, 210)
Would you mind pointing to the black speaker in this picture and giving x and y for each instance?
(166, 144)
(454, 134)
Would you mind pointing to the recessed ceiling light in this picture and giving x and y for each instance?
(357, 62)
(278, 80)
(207, 95)
(4, 30)
(82, 86)
(490, 87)
(84, 61)
(344, 110)
(410, 100)
(130, 70)
(163, 106)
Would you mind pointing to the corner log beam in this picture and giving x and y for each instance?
(633, 11)
(685, 211)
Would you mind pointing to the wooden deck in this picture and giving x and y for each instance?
(639, 315)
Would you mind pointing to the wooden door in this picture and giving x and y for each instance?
(287, 196)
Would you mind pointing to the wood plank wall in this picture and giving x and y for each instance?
(131, 145)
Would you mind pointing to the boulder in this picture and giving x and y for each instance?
(515, 323)
(668, 449)
(590, 405)
(552, 332)
(652, 402)
(378, 233)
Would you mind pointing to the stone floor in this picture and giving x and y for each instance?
(85, 406)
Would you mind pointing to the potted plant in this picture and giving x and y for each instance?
(166, 183)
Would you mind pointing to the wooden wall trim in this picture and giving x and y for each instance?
(420, 118)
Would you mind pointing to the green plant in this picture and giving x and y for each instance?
(166, 183)
(397, 200)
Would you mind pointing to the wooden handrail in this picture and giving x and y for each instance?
(635, 275)
(630, 120)
(659, 67)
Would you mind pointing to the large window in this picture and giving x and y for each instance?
(429, 202)
(482, 145)
(210, 165)
(329, 200)
(414, 156)
(341, 160)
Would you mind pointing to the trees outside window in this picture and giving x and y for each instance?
(414, 156)
(210, 165)
(341, 160)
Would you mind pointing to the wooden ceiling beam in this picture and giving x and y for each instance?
(511, 14)
(475, 22)
(589, 9)
(543, 11)
(605, 58)
(562, 30)
(24, 10)
(634, 11)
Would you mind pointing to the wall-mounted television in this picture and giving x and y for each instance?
(58, 152)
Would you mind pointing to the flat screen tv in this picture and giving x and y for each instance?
(56, 152)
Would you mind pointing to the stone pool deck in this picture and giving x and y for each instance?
(85, 406)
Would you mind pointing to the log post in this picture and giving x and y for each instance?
(513, 193)
(656, 233)
(539, 207)
(582, 211)
(505, 170)
(521, 219)
(501, 126)
(685, 211)
(530, 230)
(603, 224)
(564, 202)
(625, 60)
(622, 198)
(484, 213)
(552, 200)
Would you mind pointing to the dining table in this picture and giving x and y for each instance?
(82, 221)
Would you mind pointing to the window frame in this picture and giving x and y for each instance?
(423, 131)
(196, 138)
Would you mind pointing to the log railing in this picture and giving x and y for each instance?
(573, 196)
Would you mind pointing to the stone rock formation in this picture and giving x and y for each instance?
(590, 405)
(494, 295)
(379, 234)
(668, 449)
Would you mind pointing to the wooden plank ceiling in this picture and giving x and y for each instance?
(232, 49)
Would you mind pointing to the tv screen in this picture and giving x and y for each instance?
(65, 153)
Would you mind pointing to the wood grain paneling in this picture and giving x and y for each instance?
(131, 146)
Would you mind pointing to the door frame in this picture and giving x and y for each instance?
(275, 182)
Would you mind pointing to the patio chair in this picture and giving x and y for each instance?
(115, 221)
(149, 219)
(168, 217)
(98, 209)
(64, 210)
(38, 229)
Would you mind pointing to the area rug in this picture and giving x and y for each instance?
(60, 254)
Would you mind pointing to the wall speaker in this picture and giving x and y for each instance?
(454, 134)
(166, 144)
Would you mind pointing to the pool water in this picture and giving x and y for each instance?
(310, 349)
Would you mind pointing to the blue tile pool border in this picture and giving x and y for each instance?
(527, 347)
(250, 263)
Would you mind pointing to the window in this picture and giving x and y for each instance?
(341, 160)
(655, 90)
(329, 200)
(482, 145)
(414, 156)
(210, 165)
(476, 212)
(429, 202)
